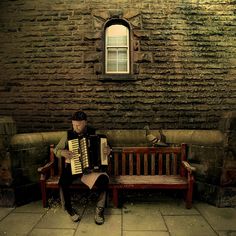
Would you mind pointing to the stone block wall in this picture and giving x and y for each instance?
(183, 63)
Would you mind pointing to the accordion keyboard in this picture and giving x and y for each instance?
(76, 166)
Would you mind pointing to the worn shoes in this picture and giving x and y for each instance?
(99, 215)
(75, 217)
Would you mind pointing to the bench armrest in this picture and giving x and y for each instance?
(188, 166)
(44, 169)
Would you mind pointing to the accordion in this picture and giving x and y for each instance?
(88, 153)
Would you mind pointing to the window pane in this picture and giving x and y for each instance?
(111, 54)
(111, 66)
(116, 41)
(122, 66)
(116, 35)
(122, 54)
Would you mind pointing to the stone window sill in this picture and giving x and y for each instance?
(117, 77)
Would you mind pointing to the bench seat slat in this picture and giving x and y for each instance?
(149, 180)
(128, 179)
(55, 180)
(132, 182)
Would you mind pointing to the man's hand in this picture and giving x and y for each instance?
(67, 154)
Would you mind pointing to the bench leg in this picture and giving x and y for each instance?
(43, 193)
(189, 195)
(188, 200)
(115, 197)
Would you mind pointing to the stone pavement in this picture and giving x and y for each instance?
(166, 217)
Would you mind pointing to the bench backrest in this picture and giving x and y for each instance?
(148, 161)
(138, 161)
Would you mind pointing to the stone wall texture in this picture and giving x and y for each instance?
(183, 60)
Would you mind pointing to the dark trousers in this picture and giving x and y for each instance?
(67, 178)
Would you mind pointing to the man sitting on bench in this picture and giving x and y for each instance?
(79, 130)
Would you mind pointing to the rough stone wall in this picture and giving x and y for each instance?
(183, 62)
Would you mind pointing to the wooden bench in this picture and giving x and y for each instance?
(133, 168)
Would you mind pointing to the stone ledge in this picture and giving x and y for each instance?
(117, 77)
(126, 137)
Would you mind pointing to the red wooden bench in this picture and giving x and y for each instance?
(133, 168)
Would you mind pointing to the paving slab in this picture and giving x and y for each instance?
(112, 211)
(219, 218)
(19, 223)
(33, 207)
(5, 211)
(145, 233)
(142, 216)
(52, 232)
(176, 207)
(191, 225)
(56, 218)
(87, 226)
(226, 233)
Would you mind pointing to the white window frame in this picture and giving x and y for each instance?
(116, 48)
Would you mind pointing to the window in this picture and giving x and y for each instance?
(117, 56)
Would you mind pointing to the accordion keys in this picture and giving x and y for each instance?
(76, 166)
